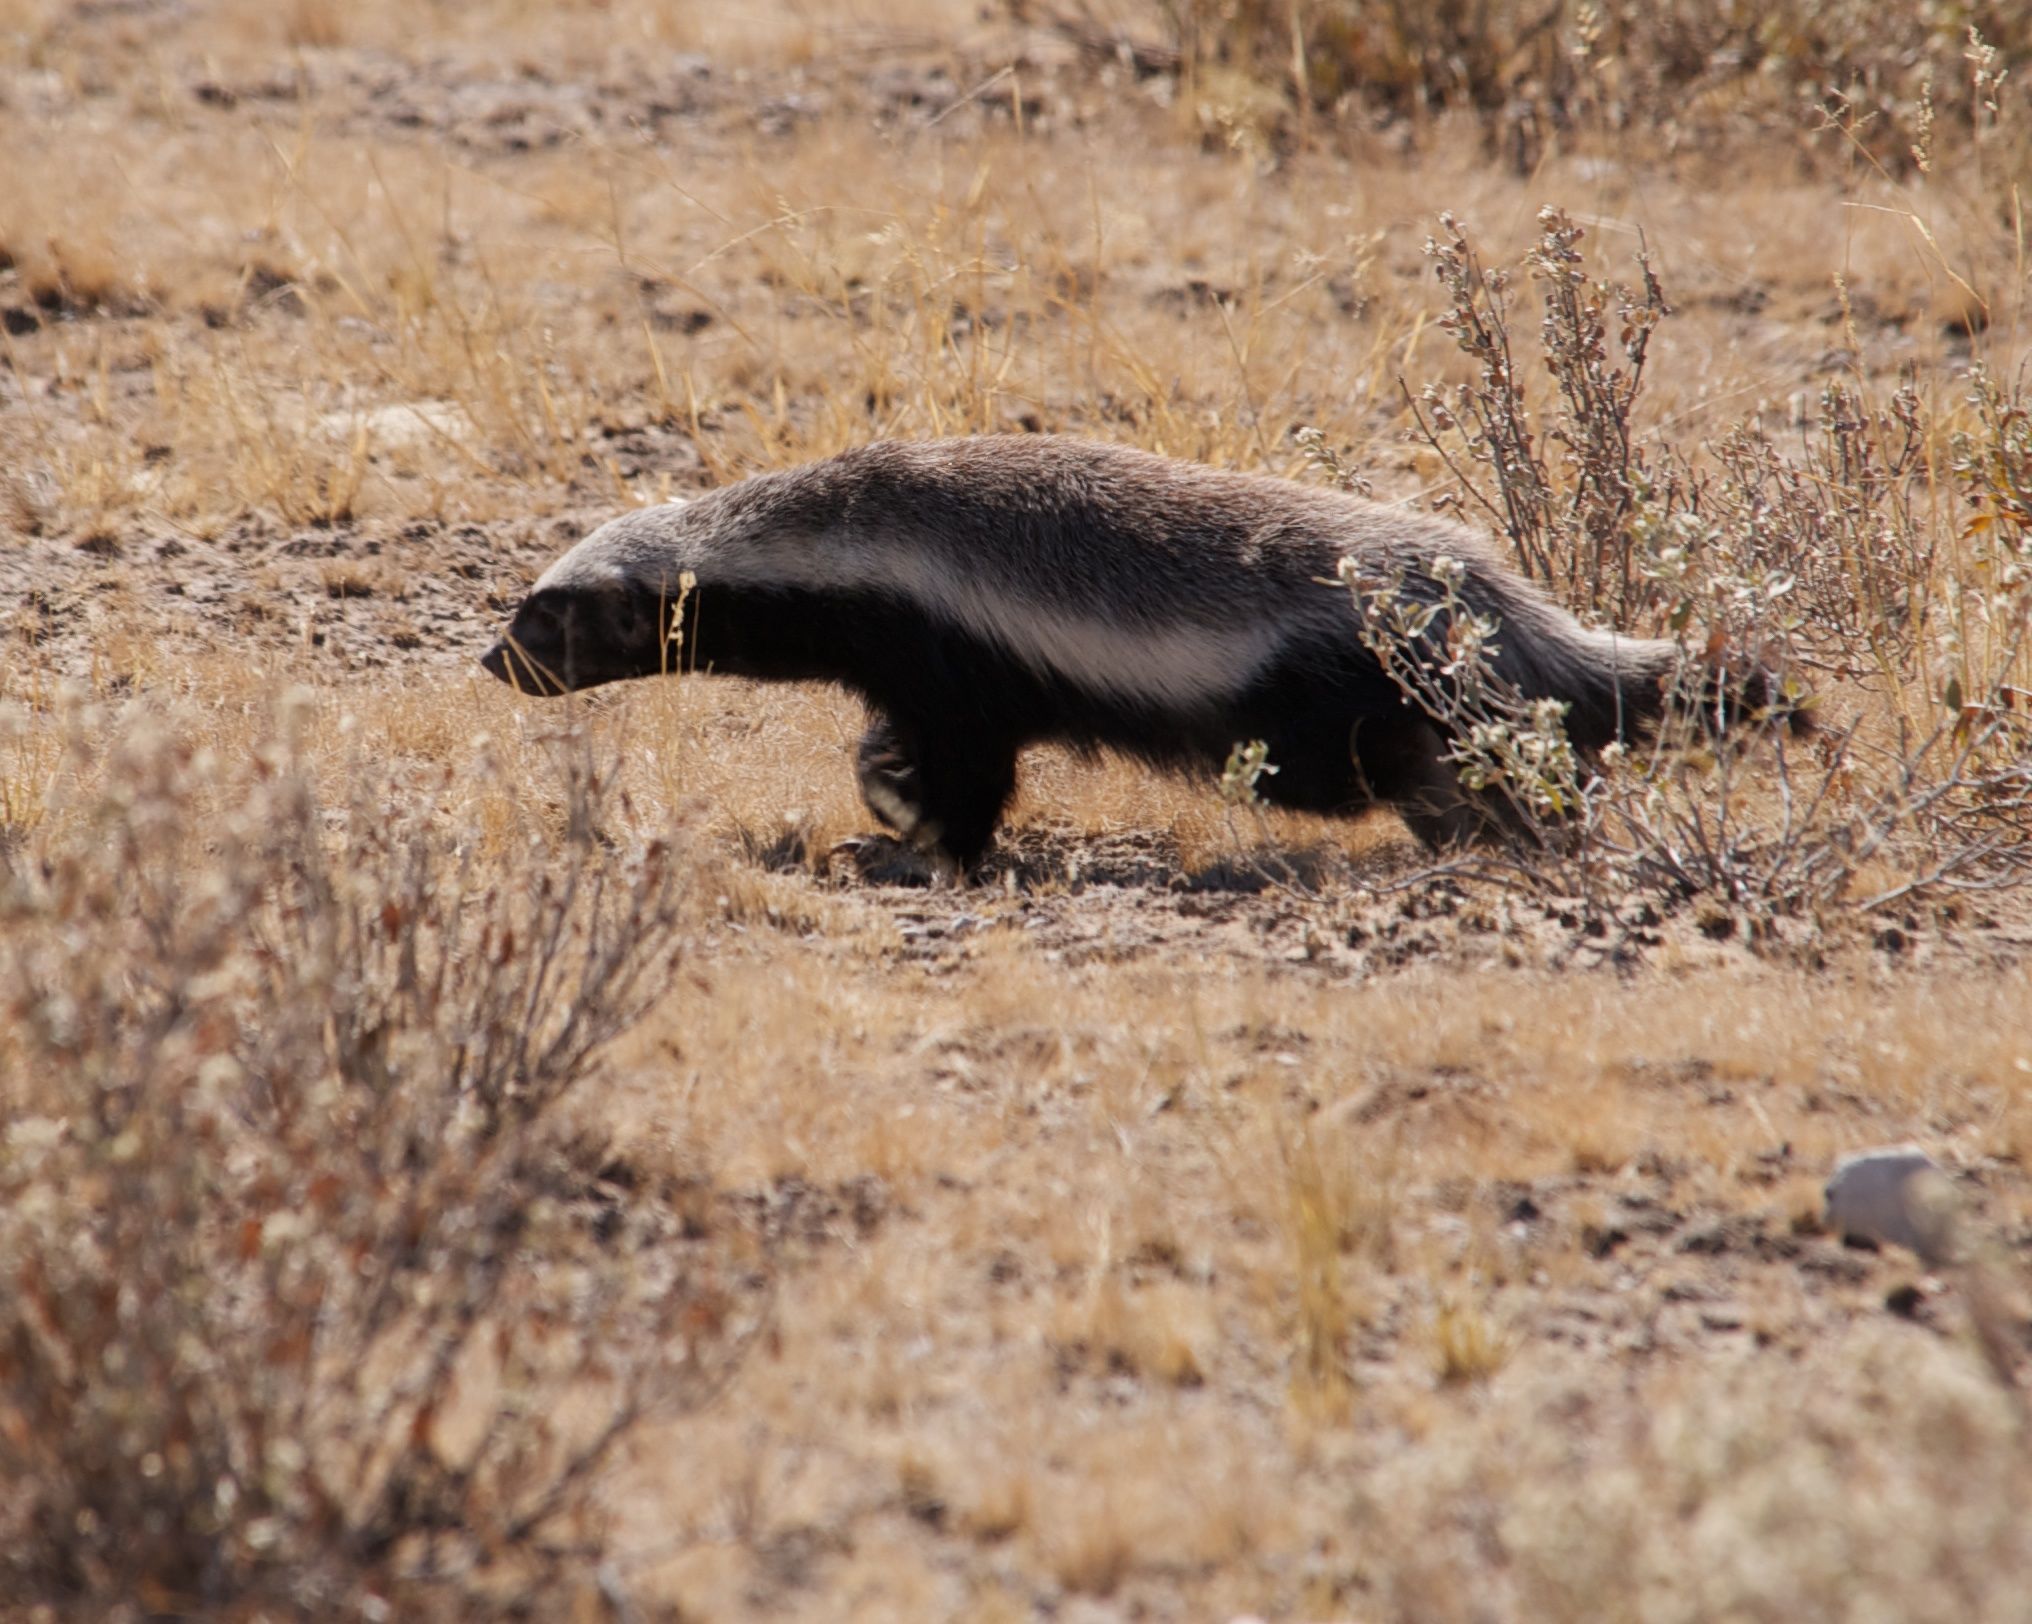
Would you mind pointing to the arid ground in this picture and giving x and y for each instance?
(1200, 1213)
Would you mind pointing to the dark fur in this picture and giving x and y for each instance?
(982, 595)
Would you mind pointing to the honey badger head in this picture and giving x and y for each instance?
(608, 610)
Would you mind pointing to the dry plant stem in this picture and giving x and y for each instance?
(1501, 434)
(1573, 533)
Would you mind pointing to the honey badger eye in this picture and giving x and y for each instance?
(545, 614)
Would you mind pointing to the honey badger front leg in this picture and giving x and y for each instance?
(944, 798)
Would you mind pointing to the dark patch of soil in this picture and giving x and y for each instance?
(341, 600)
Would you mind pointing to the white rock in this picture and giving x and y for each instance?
(410, 425)
(1895, 1196)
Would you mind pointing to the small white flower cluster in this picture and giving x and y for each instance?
(1246, 766)
(1330, 462)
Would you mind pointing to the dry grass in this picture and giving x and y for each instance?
(1688, 74)
(1170, 1225)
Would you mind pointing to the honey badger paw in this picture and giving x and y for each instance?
(945, 802)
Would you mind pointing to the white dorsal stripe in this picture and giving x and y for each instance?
(1173, 664)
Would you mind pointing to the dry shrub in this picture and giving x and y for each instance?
(1839, 561)
(1832, 548)
(1890, 78)
(303, 1298)
(1569, 524)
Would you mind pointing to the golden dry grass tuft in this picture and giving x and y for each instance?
(1193, 1217)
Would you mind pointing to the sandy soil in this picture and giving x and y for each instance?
(1182, 1220)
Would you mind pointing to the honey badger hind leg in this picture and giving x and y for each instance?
(1342, 758)
(944, 798)
(1402, 761)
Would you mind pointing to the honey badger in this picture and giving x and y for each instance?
(984, 594)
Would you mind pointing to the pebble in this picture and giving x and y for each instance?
(1896, 1196)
